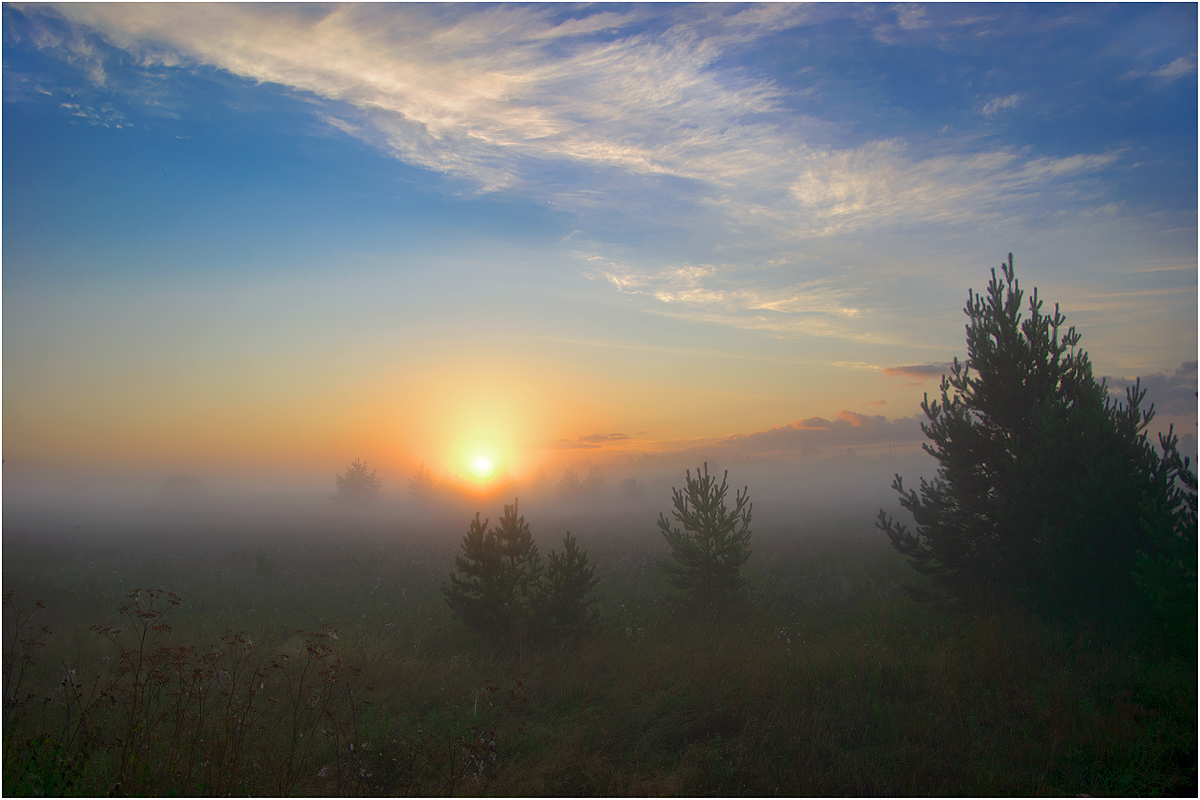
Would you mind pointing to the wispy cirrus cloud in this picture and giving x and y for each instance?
(997, 104)
(638, 111)
(1184, 65)
(505, 96)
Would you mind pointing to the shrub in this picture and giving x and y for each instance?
(707, 554)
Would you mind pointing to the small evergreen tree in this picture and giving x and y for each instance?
(522, 563)
(479, 593)
(568, 578)
(496, 587)
(421, 485)
(707, 554)
(500, 585)
(569, 486)
(593, 485)
(359, 485)
(1042, 477)
(1166, 567)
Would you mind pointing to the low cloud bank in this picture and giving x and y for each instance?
(1173, 393)
(806, 437)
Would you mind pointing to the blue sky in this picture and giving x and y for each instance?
(297, 234)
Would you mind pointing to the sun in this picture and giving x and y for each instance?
(482, 467)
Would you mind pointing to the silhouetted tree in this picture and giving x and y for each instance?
(563, 603)
(496, 584)
(1042, 476)
(359, 485)
(1166, 568)
(633, 488)
(593, 485)
(421, 485)
(707, 554)
(480, 592)
(569, 486)
(522, 564)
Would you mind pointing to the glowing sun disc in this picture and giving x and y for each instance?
(482, 466)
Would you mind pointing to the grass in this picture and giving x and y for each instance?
(327, 664)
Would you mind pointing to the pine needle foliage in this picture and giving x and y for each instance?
(708, 552)
(496, 584)
(478, 594)
(521, 562)
(1166, 567)
(568, 578)
(1042, 477)
(358, 484)
(421, 486)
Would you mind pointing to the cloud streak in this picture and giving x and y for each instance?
(636, 112)
(847, 429)
(920, 371)
(590, 442)
(509, 97)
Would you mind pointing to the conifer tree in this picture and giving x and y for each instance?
(1166, 566)
(568, 578)
(1042, 477)
(421, 485)
(707, 554)
(358, 485)
(496, 584)
(522, 563)
(478, 594)
(569, 487)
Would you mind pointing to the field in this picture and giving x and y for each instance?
(325, 662)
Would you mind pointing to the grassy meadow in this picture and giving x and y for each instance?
(325, 662)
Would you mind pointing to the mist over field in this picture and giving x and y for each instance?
(53, 500)
(372, 373)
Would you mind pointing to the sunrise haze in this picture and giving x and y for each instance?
(271, 239)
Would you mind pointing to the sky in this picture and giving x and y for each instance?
(281, 237)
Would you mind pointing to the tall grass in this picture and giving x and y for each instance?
(328, 665)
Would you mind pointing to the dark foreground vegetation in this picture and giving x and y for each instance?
(328, 663)
(1058, 655)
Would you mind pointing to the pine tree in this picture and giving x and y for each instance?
(1042, 476)
(421, 485)
(569, 487)
(359, 485)
(1166, 566)
(522, 563)
(707, 554)
(568, 578)
(479, 593)
(496, 585)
